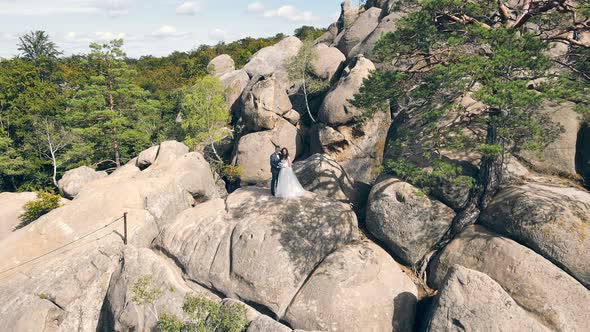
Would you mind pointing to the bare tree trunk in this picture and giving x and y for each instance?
(52, 153)
(215, 152)
(305, 90)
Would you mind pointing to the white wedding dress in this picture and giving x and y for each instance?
(288, 187)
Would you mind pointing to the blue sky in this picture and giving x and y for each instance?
(156, 27)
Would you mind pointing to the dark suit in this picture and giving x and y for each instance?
(275, 161)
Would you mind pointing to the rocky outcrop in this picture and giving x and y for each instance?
(147, 157)
(359, 149)
(235, 82)
(554, 221)
(365, 47)
(327, 61)
(74, 180)
(266, 324)
(62, 292)
(254, 150)
(472, 301)
(221, 65)
(546, 292)
(12, 207)
(357, 288)
(355, 33)
(264, 104)
(255, 247)
(324, 176)
(559, 158)
(122, 312)
(336, 108)
(405, 219)
(272, 59)
(84, 239)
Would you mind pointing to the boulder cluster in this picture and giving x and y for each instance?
(344, 258)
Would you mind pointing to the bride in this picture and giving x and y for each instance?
(288, 187)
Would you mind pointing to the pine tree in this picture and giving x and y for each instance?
(111, 112)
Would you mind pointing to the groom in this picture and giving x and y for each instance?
(275, 161)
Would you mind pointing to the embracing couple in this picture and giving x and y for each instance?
(284, 183)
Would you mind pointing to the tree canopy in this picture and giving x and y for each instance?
(100, 108)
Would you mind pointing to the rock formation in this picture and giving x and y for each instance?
(344, 257)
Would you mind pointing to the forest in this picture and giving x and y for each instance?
(100, 109)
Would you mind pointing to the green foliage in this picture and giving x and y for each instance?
(170, 323)
(74, 94)
(231, 172)
(209, 316)
(307, 32)
(144, 291)
(205, 315)
(205, 114)
(44, 203)
(36, 45)
(300, 72)
(446, 61)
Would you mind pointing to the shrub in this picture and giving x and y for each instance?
(231, 172)
(205, 315)
(34, 209)
(170, 323)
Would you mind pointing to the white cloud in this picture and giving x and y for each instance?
(8, 36)
(219, 35)
(64, 7)
(189, 8)
(168, 31)
(107, 35)
(255, 7)
(291, 13)
(99, 36)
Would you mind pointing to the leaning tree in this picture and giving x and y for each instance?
(495, 53)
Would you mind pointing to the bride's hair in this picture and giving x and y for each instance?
(285, 153)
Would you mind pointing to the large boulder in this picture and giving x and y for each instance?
(357, 288)
(336, 108)
(264, 104)
(472, 301)
(254, 150)
(324, 176)
(266, 324)
(74, 180)
(358, 149)
(387, 24)
(359, 30)
(559, 158)
(349, 13)
(554, 221)
(12, 207)
(327, 61)
(150, 198)
(235, 82)
(62, 292)
(549, 294)
(257, 248)
(405, 219)
(272, 59)
(122, 313)
(81, 241)
(147, 157)
(220, 65)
